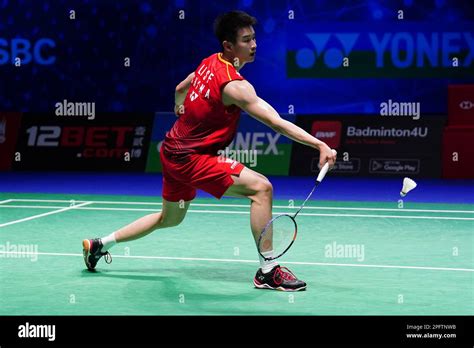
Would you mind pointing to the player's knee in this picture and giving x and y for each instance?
(179, 219)
(264, 189)
(266, 186)
(169, 220)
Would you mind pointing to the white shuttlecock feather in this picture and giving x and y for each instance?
(408, 185)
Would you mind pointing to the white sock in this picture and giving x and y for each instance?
(267, 266)
(108, 241)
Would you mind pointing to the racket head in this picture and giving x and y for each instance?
(278, 235)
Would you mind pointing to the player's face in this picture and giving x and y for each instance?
(246, 45)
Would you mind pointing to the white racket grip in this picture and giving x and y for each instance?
(322, 172)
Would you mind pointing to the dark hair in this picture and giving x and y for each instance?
(228, 24)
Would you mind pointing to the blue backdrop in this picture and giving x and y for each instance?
(313, 56)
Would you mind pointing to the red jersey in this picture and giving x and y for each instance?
(206, 125)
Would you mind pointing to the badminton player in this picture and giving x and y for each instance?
(208, 104)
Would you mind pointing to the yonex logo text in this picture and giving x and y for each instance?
(256, 141)
(399, 49)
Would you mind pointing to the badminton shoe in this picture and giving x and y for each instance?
(279, 278)
(92, 250)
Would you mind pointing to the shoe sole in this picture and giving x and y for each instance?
(280, 288)
(86, 247)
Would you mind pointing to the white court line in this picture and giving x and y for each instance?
(6, 201)
(50, 200)
(248, 213)
(44, 214)
(33, 206)
(337, 215)
(248, 205)
(253, 261)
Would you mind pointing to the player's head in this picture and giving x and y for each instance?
(235, 33)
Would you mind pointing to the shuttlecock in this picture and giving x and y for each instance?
(408, 185)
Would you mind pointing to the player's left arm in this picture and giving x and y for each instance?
(242, 94)
(180, 93)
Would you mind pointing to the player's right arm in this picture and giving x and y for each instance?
(242, 94)
(180, 94)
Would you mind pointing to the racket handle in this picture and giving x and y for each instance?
(322, 172)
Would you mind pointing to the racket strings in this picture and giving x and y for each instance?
(277, 236)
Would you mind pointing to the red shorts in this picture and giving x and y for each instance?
(182, 176)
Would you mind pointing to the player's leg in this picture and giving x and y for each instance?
(171, 215)
(225, 177)
(176, 199)
(259, 190)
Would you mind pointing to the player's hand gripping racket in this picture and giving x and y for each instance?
(280, 232)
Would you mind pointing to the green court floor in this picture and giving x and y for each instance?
(357, 258)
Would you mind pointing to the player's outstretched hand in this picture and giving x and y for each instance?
(326, 154)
